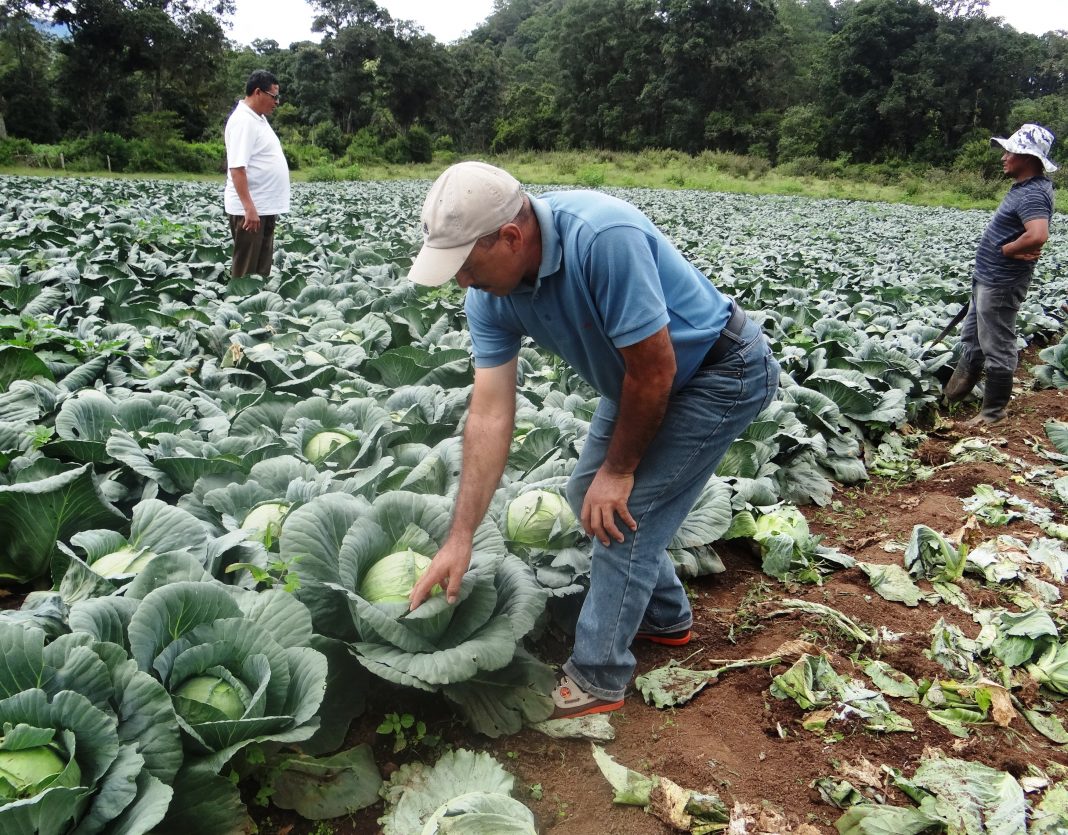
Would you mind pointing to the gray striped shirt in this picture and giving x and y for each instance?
(1029, 200)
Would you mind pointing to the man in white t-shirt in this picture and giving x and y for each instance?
(257, 176)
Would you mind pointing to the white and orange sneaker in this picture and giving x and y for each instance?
(571, 701)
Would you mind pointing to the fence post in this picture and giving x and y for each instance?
(62, 164)
(109, 162)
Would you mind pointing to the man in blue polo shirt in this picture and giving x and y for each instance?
(1004, 264)
(682, 372)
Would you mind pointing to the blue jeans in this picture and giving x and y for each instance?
(633, 583)
(988, 335)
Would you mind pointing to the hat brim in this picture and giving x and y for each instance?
(1004, 144)
(433, 267)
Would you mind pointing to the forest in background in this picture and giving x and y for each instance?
(146, 85)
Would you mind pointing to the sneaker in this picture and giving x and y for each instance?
(668, 639)
(570, 701)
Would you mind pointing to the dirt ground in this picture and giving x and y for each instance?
(736, 740)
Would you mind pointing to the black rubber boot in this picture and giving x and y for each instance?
(995, 398)
(962, 382)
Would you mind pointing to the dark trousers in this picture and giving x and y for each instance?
(253, 251)
(988, 335)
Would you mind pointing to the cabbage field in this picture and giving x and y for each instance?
(215, 494)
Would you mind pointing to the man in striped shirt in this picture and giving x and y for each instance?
(1004, 264)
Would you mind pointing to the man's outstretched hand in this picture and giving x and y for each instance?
(447, 569)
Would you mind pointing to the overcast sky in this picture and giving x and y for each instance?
(287, 21)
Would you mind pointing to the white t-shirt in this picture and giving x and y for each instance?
(252, 144)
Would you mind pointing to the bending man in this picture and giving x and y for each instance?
(680, 368)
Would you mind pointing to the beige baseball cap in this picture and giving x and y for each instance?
(468, 201)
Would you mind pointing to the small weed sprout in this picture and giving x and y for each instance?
(406, 731)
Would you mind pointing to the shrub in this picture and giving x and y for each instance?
(12, 147)
(640, 162)
(200, 157)
(363, 148)
(591, 176)
(327, 173)
(323, 174)
(149, 156)
(306, 156)
(974, 184)
(395, 150)
(978, 157)
(736, 165)
(806, 166)
(102, 147)
(328, 136)
(420, 144)
(661, 158)
(801, 132)
(566, 165)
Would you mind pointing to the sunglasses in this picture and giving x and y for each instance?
(276, 96)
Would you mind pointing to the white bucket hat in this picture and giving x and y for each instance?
(1033, 140)
(468, 201)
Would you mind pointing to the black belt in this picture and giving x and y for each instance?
(722, 345)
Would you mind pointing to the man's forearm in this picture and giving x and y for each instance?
(642, 406)
(239, 176)
(1027, 242)
(487, 441)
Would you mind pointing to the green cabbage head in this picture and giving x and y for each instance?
(321, 444)
(264, 522)
(95, 749)
(470, 649)
(786, 520)
(127, 560)
(213, 692)
(539, 518)
(27, 772)
(390, 580)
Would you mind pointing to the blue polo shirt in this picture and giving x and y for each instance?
(608, 279)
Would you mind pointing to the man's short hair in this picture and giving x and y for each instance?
(260, 80)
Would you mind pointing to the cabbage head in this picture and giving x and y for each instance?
(347, 435)
(26, 772)
(790, 552)
(463, 791)
(784, 520)
(264, 522)
(95, 747)
(126, 560)
(213, 693)
(237, 667)
(321, 444)
(391, 579)
(102, 560)
(261, 504)
(471, 651)
(540, 519)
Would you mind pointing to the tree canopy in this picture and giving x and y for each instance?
(868, 80)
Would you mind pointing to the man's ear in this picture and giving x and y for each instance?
(512, 235)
